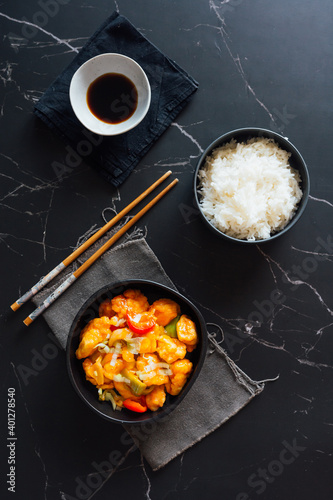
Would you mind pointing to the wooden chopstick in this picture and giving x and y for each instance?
(60, 267)
(74, 276)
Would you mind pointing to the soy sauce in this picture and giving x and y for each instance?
(112, 98)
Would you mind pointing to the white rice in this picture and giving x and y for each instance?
(249, 190)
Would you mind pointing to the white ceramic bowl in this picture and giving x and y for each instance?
(96, 67)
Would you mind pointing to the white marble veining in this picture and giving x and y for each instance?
(302, 343)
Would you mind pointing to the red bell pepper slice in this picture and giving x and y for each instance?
(138, 406)
(140, 323)
(113, 328)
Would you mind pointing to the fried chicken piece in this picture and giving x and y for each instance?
(181, 370)
(95, 332)
(170, 349)
(165, 310)
(156, 398)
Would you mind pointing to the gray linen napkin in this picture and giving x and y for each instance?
(221, 389)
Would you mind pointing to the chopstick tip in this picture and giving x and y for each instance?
(27, 321)
(15, 306)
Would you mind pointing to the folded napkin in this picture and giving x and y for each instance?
(115, 157)
(221, 388)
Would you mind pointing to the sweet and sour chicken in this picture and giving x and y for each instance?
(135, 352)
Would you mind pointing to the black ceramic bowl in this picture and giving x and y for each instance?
(88, 392)
(296, 161)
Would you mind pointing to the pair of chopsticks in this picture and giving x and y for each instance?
(74, 276)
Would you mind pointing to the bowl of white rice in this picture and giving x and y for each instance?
(251, 185)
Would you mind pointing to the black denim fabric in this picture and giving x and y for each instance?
(115, 157)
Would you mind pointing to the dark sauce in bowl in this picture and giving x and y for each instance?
(112, 98)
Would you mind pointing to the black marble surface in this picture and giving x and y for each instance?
(258, 63)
